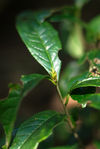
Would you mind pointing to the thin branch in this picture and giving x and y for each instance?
(69, 119)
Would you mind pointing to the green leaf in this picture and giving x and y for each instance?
(9, 106)
(65, 147)
(40, 16)
(36, 129)
(74, 45)
(83, 86)
(93, 30)
(42, 42)
(8, 110)
(30, 81)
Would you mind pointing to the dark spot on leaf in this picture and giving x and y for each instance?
(83, 90)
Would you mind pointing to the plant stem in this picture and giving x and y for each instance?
(69, 119)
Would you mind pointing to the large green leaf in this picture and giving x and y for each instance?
(36, 129)
(42, 41)
(10, 105)
(93, 29)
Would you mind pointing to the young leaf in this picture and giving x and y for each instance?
(42, 42)
(36, 129)
(9, 106)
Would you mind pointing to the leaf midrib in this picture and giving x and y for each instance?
(37, 129)
(39, 36)
(79, 82)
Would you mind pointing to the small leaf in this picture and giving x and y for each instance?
(42, 42)
(93, 30)
(9, 106)
(36, 129)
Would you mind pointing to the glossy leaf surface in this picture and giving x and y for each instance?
(82, 87)
(9, 106)
(36, 129)
(42, 42)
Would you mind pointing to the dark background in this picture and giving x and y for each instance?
(15, 59)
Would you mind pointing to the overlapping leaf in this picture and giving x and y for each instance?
(36, 129)
(9, 106)
(42, 42)
(84, 86)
